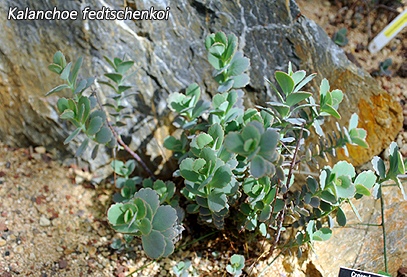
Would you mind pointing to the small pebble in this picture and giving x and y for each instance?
(32, 256)
(19, 249)
(2, 242)
(40, 149)
(62, 264)
(68, 251)
(92, 250)
(60, 249)
(36, 156)
(79, 179)
(44, 221)
(81, 248)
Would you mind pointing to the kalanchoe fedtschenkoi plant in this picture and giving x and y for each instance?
(236, 266)
(234, 162)
(144, 216)
(181, 269)
(78, 108)
(138, 212)
(383, 68)
(258, 145)
(339, 37)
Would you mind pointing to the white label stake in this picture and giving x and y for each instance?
(388, 33)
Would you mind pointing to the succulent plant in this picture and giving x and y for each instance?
(229, 63)
(143, 216)
(236, 266)
(258, 145)
(340, 38)
(232, 159)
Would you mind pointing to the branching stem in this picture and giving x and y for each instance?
(290, 172)
(384, 229)
(120, 141)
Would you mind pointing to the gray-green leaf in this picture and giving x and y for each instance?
(104, 135)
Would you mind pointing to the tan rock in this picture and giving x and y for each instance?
(361, 247)
(19, 249)
(44, 221)
(40, 149)
(92, 250)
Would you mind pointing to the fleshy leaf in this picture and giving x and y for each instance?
(340, 217)
(296, 97)
(80, 86)
(298, 76)
(222, 177)
(361, 189)
(94, 126)
(217, 134)
(217, 201)
(72, 136)
(344, 187)
(74, 73)
(366, 178)
(285, 81)
(344, 168)
(82, 148)
(56, 89)
(322, 234)
(258, 167)
(67, 114)
(353, 122)
(203, 139)
(150, 196)
(379, 167)
(238, 66)
(164, 218)
(145, 226)
(187, 171)
(104, 135)
(241, 81)
(154, 244)
(268, 141)
(312, 184)
(115, 77)
(234, 143)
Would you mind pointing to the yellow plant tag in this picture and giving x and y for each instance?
(388, 33)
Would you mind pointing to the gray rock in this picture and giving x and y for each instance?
(171, 55)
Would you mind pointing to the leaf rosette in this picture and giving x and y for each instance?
(143, 216)
(257, 145)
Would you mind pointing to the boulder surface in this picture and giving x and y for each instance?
(171, 55)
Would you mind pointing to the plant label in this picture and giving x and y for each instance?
(347, 272)
(389, 32)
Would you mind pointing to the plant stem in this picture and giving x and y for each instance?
(364, 224)
(268, 228)
(383, 228)
(290, 172)
(120, 141)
